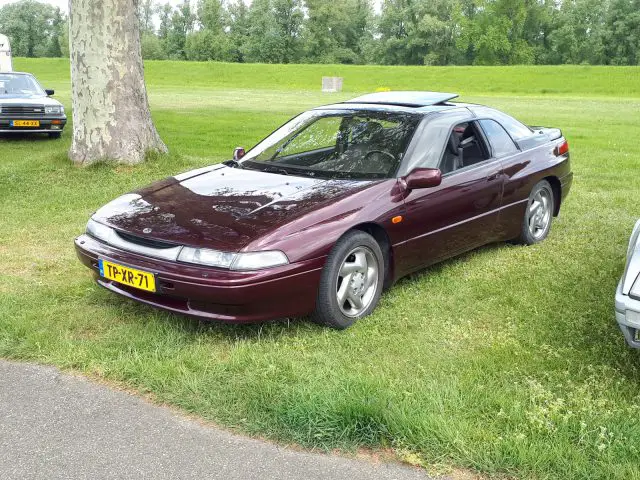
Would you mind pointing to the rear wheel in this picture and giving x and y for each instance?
(538, 215)
(55, 135)
(351, 281)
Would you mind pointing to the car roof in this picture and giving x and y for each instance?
(405, 99)
(16, 73)
(399, 101)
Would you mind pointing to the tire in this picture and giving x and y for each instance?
(55, 135)
(538, 215)
(345, 263)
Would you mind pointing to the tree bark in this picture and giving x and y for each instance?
(111, 117)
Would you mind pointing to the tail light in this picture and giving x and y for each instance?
(561, 149)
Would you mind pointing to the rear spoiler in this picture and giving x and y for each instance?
(551, 133)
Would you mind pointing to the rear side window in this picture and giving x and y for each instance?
(501, 142)
(516, 129)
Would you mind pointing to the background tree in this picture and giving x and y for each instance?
(237, 17)
(577, 33)
(273, 31)
(416, 32)
(147, 10)
(32, 27)
(407, 32)
(621, 33)
(111, 117)
(209, 41)
(182, 22)
(59, 25)
(337, 32)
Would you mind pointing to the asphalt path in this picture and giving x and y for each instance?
(54, 425)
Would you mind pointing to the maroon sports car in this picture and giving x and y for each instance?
(334, 206)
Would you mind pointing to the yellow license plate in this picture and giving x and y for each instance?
(127, 276)
(26, 123)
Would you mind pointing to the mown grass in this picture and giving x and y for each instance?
(506, 361)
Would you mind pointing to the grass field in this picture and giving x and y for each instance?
(506, 361)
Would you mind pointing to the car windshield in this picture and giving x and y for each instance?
(336, 144)
(18, 84)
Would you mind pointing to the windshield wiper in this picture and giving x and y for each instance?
(282, 171)
(233, 164)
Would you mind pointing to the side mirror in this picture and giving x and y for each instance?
(238, 153)
(50, 92)
(423, 178)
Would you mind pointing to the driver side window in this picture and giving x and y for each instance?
(464, 148)
(321, 134)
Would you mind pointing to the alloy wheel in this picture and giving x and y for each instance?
(539, 214)
(357, 281)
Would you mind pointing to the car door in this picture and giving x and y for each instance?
(461, 213)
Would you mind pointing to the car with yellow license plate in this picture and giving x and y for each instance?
(25, 107)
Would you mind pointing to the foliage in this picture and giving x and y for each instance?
(337, 32)
(506, 361)
(273, 31)
(34, 28)
(403, 32)
(152, 47)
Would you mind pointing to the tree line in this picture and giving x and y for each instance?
(397, 32)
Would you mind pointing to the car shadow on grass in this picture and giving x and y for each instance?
(288, 327)
(24, 137)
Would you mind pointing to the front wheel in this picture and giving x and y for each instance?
(351, 281)
(538, 215)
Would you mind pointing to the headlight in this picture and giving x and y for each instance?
(635, 290)
(99, 230)
(204, 256)
(258, 260)
(233, 261)
(54, 109)
(631, 276)
(633, 241)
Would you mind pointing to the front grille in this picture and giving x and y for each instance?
(145, 242)
(23, 110)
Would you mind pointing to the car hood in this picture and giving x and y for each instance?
(27, 99)
(221, 207)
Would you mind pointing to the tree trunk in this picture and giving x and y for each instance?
(111, 118)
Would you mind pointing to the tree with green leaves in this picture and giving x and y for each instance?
(337, 32)
(209, 41)
(621, 35)
(182, 23)
(33, 28)
(147, 9)
(165, 12)
(273, 34)
(419, 32)
(237, 18)
(405, 32)
(577, 33)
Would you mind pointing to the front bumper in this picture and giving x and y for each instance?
(47, 125)
(628, 317)
(212, 293)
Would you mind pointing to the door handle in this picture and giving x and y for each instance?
(493, 176)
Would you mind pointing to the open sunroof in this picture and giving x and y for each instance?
(405, 99)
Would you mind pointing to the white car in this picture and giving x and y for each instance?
(26, 107)
(628, 292)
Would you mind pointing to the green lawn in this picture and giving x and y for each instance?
(506, 361)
